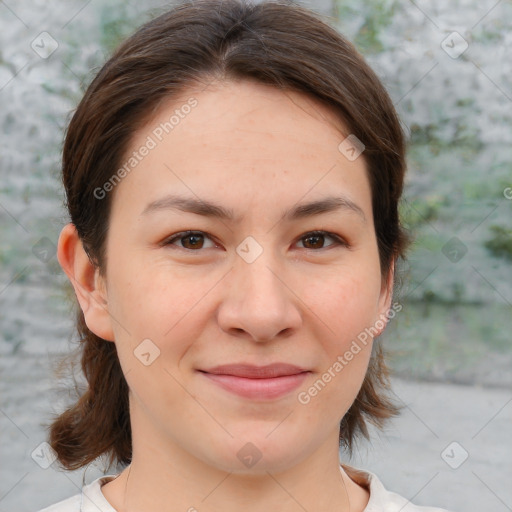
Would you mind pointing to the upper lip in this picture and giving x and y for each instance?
(256, 372)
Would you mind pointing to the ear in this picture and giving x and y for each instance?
(386, 296)
(90, 287)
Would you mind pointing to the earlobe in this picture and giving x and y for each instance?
(89, 286)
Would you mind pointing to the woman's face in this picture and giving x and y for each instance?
(252, 288)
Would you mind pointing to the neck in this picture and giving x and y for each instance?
(140, 487)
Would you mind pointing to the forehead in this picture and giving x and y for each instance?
(244, 136)
(241, 104)
(243, 111)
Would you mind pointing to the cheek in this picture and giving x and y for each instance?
(151, 299)
(347, 309)
(346, 303)
(156, 304)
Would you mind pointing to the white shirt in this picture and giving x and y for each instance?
(92, 499)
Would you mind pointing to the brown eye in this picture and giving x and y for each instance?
(316, 239)
(190, 240)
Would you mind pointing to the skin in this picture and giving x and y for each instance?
(258, 151)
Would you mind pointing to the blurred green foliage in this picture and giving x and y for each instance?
(500, 245)
(378, 15)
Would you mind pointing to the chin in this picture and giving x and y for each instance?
(257, 453)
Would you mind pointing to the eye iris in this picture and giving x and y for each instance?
(316, 236)
(192, 237)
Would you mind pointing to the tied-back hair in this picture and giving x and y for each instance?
(277, 43)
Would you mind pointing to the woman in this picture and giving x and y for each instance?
(232, 177)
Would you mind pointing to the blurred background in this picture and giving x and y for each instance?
(448, 69)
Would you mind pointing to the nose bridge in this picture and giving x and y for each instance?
(257, 267)
(259, 301)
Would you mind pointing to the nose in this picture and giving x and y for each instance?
(259, 303)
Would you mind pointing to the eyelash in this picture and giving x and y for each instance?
(184, 234)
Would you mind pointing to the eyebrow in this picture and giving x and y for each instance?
(210, 209)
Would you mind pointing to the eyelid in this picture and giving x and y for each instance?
(338, 240)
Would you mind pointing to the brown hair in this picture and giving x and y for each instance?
(286, 46)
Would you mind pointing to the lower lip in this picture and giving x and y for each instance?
(262, 389)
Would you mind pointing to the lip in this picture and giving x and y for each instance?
(256, 372)
(257, 382)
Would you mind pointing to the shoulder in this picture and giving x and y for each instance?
(91, 499)
(382, 500)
